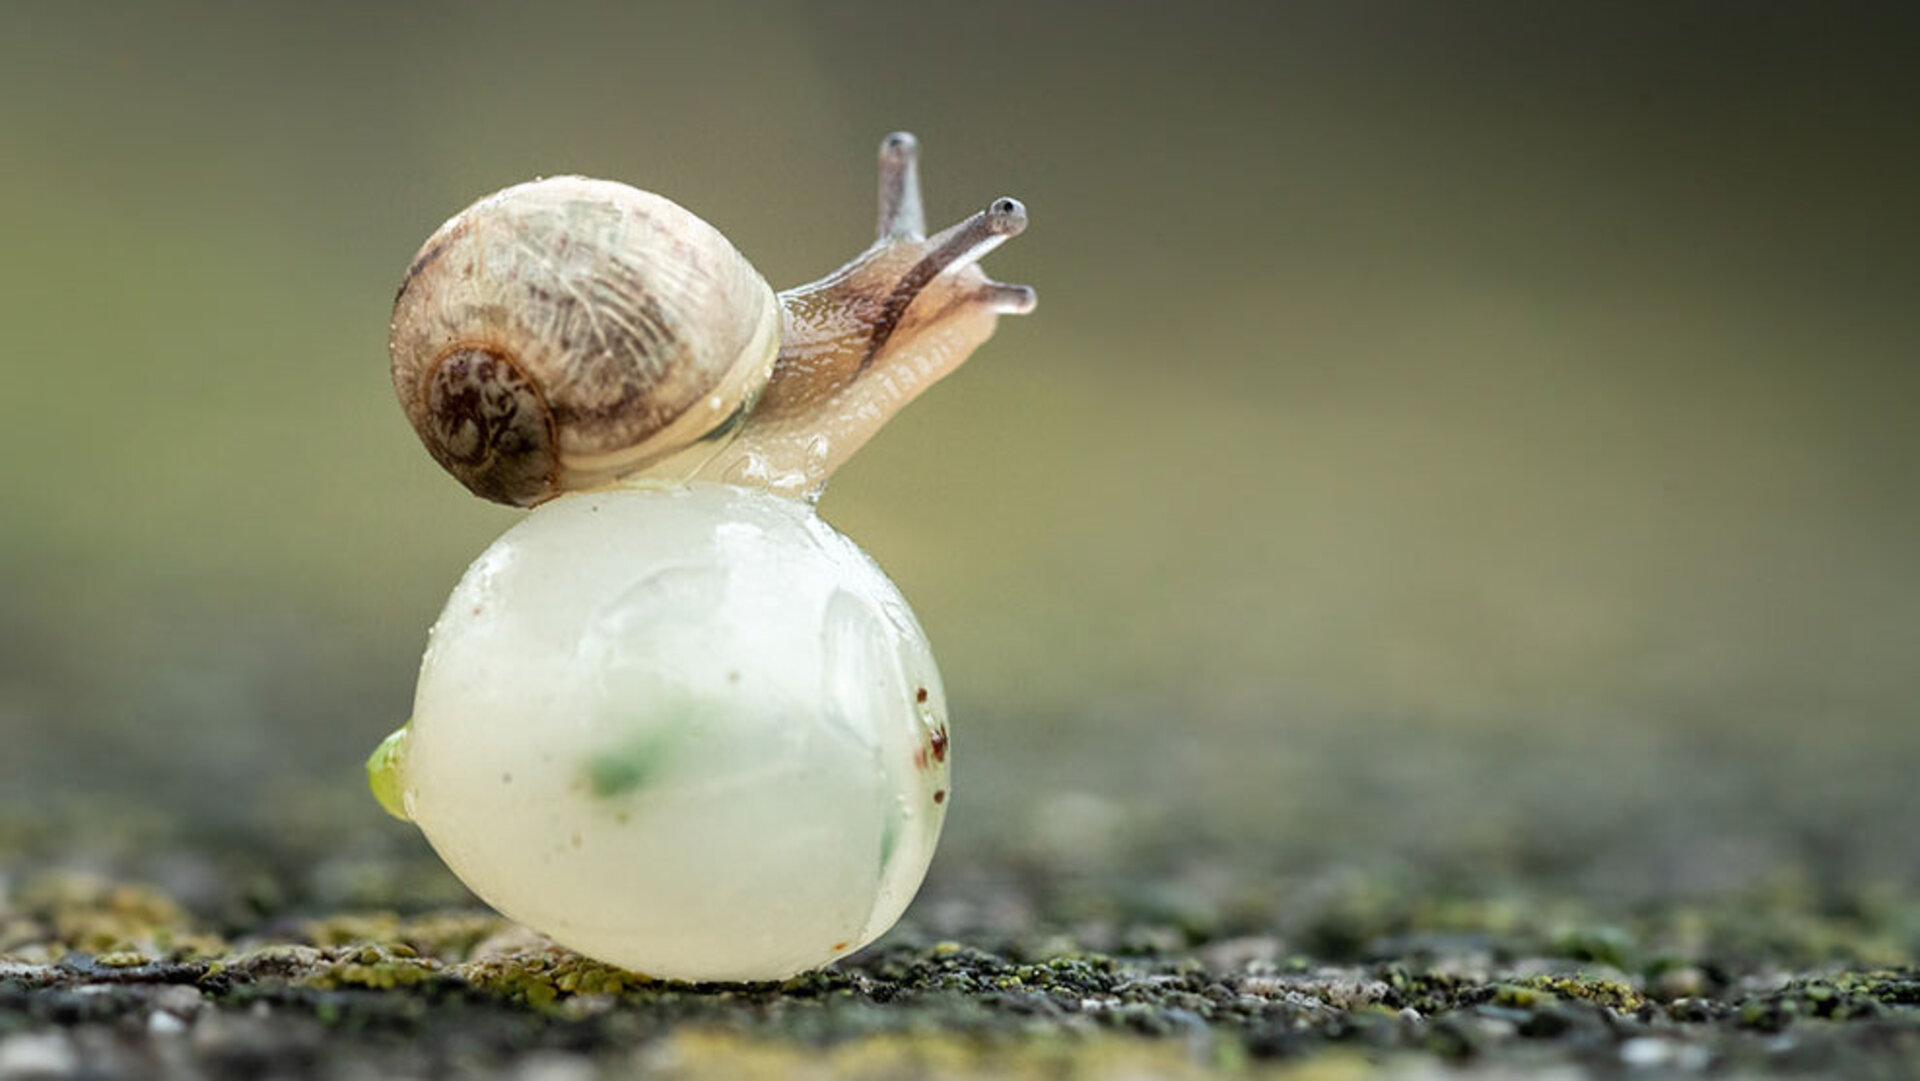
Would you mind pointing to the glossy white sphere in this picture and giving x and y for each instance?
(693, 732)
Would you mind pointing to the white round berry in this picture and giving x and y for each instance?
(693, 732)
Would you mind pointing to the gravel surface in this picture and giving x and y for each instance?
(1606, 899)
(1010, 969)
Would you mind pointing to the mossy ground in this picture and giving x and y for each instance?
(1482, 902)
(1009, 971)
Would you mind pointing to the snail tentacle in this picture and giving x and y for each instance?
(859, 344)
(1007, 299)
(901, 212)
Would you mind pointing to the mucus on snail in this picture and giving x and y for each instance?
(672, 719)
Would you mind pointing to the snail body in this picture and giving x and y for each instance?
(672, 718)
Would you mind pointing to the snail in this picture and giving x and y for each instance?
(671, 718)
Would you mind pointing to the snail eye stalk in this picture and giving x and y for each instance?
(861, 343)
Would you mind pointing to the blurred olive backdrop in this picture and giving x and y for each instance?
(1436, 416)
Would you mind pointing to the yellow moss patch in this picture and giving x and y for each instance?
(447, 936)
(352, 929)
(540, 979)
(375, 968)
(89, 914)
(1614, 995)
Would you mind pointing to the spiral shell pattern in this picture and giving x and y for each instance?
(564, 333)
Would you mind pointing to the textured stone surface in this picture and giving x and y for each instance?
(1003, 971)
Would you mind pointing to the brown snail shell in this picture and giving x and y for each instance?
(567, 332)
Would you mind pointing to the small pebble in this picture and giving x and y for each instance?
(36, 1055)
(179, 1000)
(1645, 1051)
(1651, 1052)
(1686, 981)
(1252, 953)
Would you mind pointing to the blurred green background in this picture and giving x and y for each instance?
(1481, 432)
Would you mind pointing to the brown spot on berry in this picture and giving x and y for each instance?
(838, 946)
(939, 742)
(940, 795)
(920, 695)
(920, 758)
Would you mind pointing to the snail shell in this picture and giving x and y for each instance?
(563, 333)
